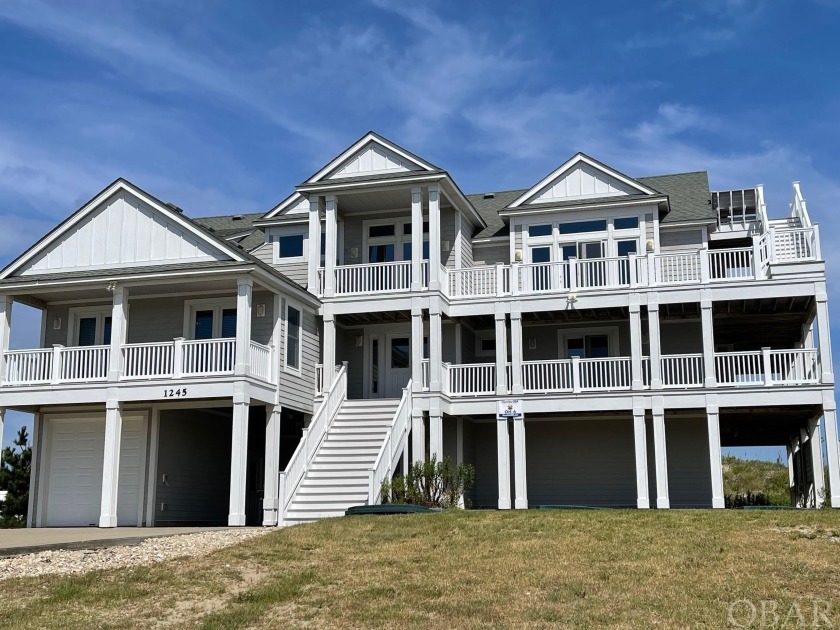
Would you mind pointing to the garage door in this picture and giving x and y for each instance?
(74, 487)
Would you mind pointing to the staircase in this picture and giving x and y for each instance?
(339, 474)
(789, 222)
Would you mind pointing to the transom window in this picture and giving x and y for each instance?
(576, 227)
(588, 239)
(391, 241)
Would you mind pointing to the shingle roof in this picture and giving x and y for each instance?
(489, 209)
(688, 194)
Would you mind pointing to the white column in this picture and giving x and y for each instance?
(244, 287)
(418, 436)
(417, 347)
(5, 329)
(636, 343)
(654, 344)
(459, 244)
(111, 464)
(791, 479)
(503, 452)
(272, 465)
(459, 451)
(824, 332)
(276, 337)
(330, 244)
(435, 346)
(708, 330)
(662, 501)
(434, 237)
(501, 354)
(715, 462)
(238, 461)
(436, 434)
(640, 445)
(37, 430)
(815, 441)
(314, 247)
(417, 239)
(830, 418)
(520, 474)
(516, 350)
(118, 331)
(329, 349)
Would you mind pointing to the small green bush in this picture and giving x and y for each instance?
(430, 483)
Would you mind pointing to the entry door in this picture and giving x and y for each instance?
(397, 364)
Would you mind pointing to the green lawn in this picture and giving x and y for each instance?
(586, 569)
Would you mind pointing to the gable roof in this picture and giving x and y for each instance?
(688, 195)
(488, 208)
(579, 159)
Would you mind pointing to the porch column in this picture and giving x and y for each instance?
(817, 464)
(434, 237)
(6, 302)
(716, 465)
(520, 475)
(418, 436)
(653, 342)
(501, 354)
(417, 239)
(640, 444)
(276, 337)
(830, 417)
(791, 476)
(111, 464)
(238, 460)
(118, 331)
(329, 349)
(244, 288)
(272, 465)
(708, 331)
(436, 434)
(435, 346)
(516, 351)
(314, 246)
(662, 501)
(330, 244)
(824, 332)
(636, 342)
(503, 453)
(417, 346)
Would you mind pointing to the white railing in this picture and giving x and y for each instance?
(603, 374)
(547, 376)
(470, 379)
(392, 449)
(260, 360)
(475, 281)
(798, 207)
(25, 367)
(148, 360)
(739, 368)
(682, 370)
(84, 363)
(591, 273)
(731, 264)
(795, 367)
(540, 277)
(374, 277)
(736, 206)
(312, 437)
(208, 357)
(795, 244)
(677, 268)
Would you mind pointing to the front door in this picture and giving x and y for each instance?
(397, 364)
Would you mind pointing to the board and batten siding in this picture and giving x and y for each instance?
(297, 389)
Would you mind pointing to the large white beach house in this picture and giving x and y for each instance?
(275, 368)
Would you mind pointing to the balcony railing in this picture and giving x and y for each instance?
(140, 361)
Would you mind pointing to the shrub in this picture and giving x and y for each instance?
(430, 483)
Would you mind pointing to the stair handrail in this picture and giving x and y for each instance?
(308, 446)
(392, 448)
(761, 209)
(798, 207)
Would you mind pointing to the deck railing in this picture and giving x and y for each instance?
(547, 376)
(208, 357)
(313, 435)
(730, 264)
(474, 281)
(471, 379)
(260, 360)
(84, 363)
(148, 360)
(795, 367)
(25, 367)
(394, 447)
(682, 370)
(796, 244)
(604, 374)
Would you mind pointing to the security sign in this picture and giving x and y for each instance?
(509, 408)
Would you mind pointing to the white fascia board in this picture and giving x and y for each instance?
(81, 213)
(278, 209)
(493, 240)
(368, 137)
(338, 185)
(682, 224)
(451, 190)
(602, 205)
(279, 223)
(576, 159)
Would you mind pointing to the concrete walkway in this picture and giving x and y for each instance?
(17, 541)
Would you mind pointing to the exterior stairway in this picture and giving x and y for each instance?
(789, 222)
(338, 477)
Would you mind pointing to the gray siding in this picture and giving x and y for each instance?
(670, 240)
(297, 271)
(649, 232)
(346, 350)
(297, 391)
(492, 254)
(159, 319)
(681, 337)
(548, 346)
(448, 342)
(689, 468)
(447, 235)
(466, 245)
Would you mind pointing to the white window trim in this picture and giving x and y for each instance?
(563, 334)
(398, 239)
(77, 313)
(483, 335)
(286, 367)
(289, 230)
(608, 237)
(217, 305)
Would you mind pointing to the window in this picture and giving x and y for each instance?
(539, 230)
(381, 253)
(588, 347)
(210, 319)
(90, 326)
(400, 353)
(391, 242)
(577, 227)
(485, 344)
(407, 228)
(290, 246)
(292, 338)
(626, 223)
(375, 231)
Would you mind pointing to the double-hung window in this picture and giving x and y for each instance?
(293, 337)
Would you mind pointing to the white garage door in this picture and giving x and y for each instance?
(74, 488)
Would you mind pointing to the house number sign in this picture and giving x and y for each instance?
(173, 393)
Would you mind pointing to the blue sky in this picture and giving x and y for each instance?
(224, 107)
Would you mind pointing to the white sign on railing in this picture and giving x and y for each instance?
(509, 408)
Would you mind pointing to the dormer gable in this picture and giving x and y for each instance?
(122, 227)
(581, 177)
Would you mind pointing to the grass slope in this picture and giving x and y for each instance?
(575, 569)
(741, 476)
